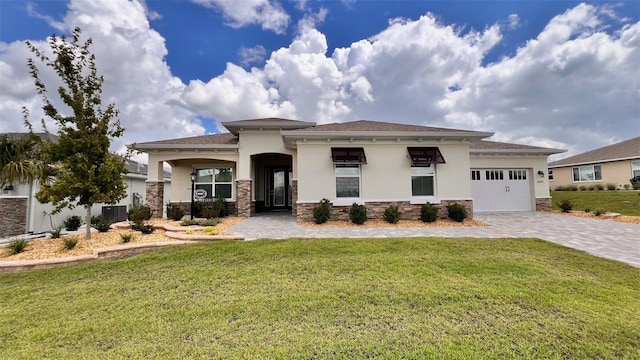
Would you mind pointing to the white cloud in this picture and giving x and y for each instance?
(268, 14)
(129, 54)
(252, 55)
(514, 21)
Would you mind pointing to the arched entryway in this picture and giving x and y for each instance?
(273, 175)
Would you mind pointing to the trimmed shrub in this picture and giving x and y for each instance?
(600, 187)
(457, 212)
(591, 188)
(147, 228)
(392, 214)
(358, 214)
(599, 212)
(139, 213)
(72, 223)
(322, 211)
(611, 186)
(209, 222)
(626, 186)
(69, 242)
(571, 188)
(565, 205)
(636, 186)
(17, 246)
(175, 212)
(210, 230)
(428, 212)
(189, 222)
(582, 188)
(127, 237)
(587, 210)
(56, 233)
(221, 205)
(100, 223)
(210, 212)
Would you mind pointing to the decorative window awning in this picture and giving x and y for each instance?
(424, 156)
(348, 156)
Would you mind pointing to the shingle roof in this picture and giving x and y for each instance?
(134, 167)
(494, 145)
(218, 139)
(368, 125)
(43, 136)
(622, 150)
(270, 120)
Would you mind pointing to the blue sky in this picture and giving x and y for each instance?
(550, 73)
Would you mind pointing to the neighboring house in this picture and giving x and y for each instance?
(21, 212)
(277, 164)
(613, 164)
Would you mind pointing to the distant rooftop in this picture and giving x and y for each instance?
(627, 149)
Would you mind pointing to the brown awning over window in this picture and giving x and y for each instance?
(422, 156)
(348, 156)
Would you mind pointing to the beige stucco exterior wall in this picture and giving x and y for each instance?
(254, 142)
(616, 172)
(386, 176)
(533, 163)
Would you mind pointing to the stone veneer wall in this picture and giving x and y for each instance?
(243, 198)
(13, 216)
(543, 204)
(294, 192)
(154, 196)
(375, 210)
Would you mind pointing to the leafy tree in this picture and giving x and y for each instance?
(20, 160)
(87, 172)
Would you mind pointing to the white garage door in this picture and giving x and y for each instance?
(501, 190)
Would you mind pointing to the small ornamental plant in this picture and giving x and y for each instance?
(72, 223)
(358, 214)
(565, 205)
(100, 223)
(599, 212)
(56, 233)
(175, 212)
(457, 212)
(392, 214)
(147, 229)
(322, 211)
(127, 237)
(17, 246)
(69, 242)
(428, 213)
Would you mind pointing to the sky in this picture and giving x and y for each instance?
(559, 74)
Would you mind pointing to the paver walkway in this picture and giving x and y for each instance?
(604, 238)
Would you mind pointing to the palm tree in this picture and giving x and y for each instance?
(20, 160)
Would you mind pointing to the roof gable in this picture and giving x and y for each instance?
(622, 150)
(211, 139)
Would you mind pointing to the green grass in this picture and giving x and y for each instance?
(622, 202)
(328, 299)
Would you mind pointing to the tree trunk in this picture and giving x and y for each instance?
(87, 235)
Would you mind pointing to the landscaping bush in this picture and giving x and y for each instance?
(611, 186)
(591, 188)
(582, 188)
(571, 188)
(600, 187)
(587, 210)
(100, 223)
(210, 212)
(636, 186)
(392, 214)
(17, 246)
(221, 205)
(559, 188)
(565, 205)
(189, 222)
(69, 242)
(210, 230)
(72, 223)
(56, 233)
(626, 186)
(139, 213)
(322, 211)
(197, 208)
(209, 222)
(175, 212)
(599, 212)
(428, 212)
(457, 212)
(358, 214)
(147, 228)
(127, 237)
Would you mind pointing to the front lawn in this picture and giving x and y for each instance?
(622, 202)
(328, 299)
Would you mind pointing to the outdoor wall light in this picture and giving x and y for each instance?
(540, 173)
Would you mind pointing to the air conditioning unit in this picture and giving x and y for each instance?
(115, 213)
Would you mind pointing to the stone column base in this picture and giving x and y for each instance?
(13, 216)
(154, 196)
(243, 198)
(543, 204)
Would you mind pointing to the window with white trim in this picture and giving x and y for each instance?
(347, 181)
(550, 172)
(475, 175)
(635, 168)
(216, 182)
(587, 173)
(517, 174)
(494, 175)
(422, 181)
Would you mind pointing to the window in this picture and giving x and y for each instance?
(216, 182)
(422, 181)
(635, 168)
(475, 175)
(347, 181)
(494, 175)
(587, 173)
(550, 172)
(517, 175)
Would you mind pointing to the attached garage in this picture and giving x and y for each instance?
(502, 190)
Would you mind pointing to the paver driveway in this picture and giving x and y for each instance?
(604, 238)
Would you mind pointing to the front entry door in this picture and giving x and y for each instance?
(277, 188)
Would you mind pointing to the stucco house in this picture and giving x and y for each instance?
(612, 164)
(275, 164)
